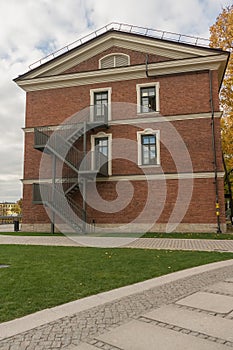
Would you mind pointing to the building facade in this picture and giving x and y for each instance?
(124, 131)
(9, 209)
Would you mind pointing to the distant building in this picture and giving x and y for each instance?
(9, 209)
(169, 81)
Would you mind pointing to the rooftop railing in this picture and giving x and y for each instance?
(123, 27)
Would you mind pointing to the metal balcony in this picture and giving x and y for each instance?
(90, 118)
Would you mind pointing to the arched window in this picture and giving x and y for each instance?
(114, 60)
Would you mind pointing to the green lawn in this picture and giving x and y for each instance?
(146, 235)
(187, 235)
(30, 234)
(40, 276)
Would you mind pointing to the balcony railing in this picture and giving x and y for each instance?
(94, 161)
(92, 117)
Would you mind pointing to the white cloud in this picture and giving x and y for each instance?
(31, 29)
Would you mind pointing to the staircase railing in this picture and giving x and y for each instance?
(78, 161)
(96, 115)
(59, 141)
(66, 208)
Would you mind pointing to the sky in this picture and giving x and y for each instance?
(31, 29)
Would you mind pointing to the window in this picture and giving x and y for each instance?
(148, 97)
(101, 146)
(101, 154)
(148, 103)
(114, 60)
(100, 102)
(100, 106)
(149, 155)
(148, 147)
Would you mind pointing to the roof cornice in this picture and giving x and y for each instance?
(213, 62)
(132, 41)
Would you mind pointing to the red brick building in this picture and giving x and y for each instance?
(147, 106)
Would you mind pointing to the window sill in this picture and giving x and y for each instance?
(148, 113)
(149, 166)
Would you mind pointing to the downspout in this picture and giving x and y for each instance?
(147, 67)
(53, 189)
(147, 72)
(84, 180)
(214, 154)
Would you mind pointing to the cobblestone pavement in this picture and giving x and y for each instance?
(183, 244)
(147, 243)
(86, 327)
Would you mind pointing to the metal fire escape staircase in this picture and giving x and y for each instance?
(80, 167)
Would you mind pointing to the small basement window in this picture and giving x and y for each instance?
(114, 60)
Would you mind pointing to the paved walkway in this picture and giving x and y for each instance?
(183, 244)
(190, 309)
(147, 243)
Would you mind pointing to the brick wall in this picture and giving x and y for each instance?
(136, 58)
(180, 94)
(196, 135)
(201, 209)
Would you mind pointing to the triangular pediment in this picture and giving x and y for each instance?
(86, 56)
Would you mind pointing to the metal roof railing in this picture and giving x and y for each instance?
(123, 27)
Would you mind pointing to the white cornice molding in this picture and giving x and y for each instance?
(145, 120)
(149, 177)
(186, 49)
(164, 48)
(124, 73)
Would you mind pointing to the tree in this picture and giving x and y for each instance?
(18, 208)
(221, 36)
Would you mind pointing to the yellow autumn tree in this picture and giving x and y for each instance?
(221, 36)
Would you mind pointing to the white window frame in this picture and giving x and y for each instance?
(114, 54)
(138, 89)
(98, 136)
(139, 141)
(92, 100)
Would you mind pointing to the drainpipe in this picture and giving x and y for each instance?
(147, 72)
(214, 154)
(53, 189)
(84, 181)
(147, 66)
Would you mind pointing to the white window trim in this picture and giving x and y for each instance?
(92, 93)
(138, 89)
(100, 135)
(148, 132)
(114, 54)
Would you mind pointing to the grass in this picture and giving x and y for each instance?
(40, 277)
(187, 235)
(30, 234)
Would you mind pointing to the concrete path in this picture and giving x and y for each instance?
(190, 309)
(146, 243)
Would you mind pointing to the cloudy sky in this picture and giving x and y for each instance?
(30, 29)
